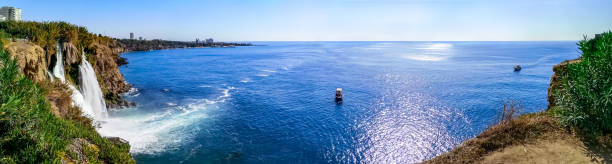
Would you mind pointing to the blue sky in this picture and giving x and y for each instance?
(330, 20)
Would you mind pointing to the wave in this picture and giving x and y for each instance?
(152, 133)
(266, 70)
(133, 92)
(246, 80)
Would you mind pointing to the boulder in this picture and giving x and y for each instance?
(81, 149)
(31, 59)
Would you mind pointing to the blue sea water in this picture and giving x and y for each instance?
(405, 102)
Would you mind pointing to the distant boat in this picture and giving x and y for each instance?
(339, 95)
(517, 68)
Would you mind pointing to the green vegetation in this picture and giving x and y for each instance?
(31, 133)
(47, 34)
(584, 97)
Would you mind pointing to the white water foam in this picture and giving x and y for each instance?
(133, 92)
(79, 100)
(151, 133)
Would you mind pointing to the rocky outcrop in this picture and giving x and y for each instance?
(558, 70)
(72, 55)
(31, 59)
(107, 70)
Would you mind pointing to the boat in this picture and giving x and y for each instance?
(339, 95)
(517, 68)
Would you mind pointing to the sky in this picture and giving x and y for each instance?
(330, 20)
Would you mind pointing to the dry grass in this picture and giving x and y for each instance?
(521, 130)
(509, 111)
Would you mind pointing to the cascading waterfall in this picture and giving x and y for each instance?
(58, 70)
(89, 98)
(90, 88)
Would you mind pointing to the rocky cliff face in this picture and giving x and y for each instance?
(111, 80)
(558, 70)
(34, 62)
(31, 59)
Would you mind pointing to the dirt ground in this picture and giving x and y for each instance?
(552, 152)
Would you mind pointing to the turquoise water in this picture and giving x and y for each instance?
(404, 102)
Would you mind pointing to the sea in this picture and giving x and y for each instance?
(404, 102)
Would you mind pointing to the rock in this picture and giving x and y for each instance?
(111, 80)
(118, 141)
(31, 59)
(558, 70)
(121, 61)
(72, 54)
(81, 148)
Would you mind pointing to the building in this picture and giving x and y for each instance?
(209, 41)
(197, 41)
(131, 35)
(10, 13)
(140, 38)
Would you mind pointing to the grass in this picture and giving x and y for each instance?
(30, 131)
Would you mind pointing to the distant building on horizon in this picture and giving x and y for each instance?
(209, 41)
(10, 13)
(197, 41)
(140, 38)
(131, 35)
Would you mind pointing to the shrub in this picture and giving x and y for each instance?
(585, 95)
(509, 111)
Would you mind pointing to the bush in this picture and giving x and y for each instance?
(585, 93)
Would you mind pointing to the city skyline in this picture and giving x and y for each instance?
(340, 20)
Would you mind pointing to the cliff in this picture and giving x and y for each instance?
(39, 123)
(38, 54)
(107, 70)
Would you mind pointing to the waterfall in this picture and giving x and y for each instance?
(50, 75)
(89, 98)
(58, 70)
(90, 89)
